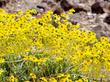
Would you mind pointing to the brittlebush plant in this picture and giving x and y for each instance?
(56, 38)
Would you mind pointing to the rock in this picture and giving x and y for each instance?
(107, 0)
(58, 10)
(101, 30)
(106, 6)
(57, 1)
(65, 5)
(2, 3)
(96, 8)
(107, 19)
(97, 28)
(42, 6)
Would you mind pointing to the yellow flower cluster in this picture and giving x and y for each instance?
(16, 35)
(88, 54)
(12, 79)
(34, 59)
(54, 36)
(59, 78)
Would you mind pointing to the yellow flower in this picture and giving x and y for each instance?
(2, 11)
(13, 79)
(33, 11)
(43, 79)
(1, 71)
(60, 75)
(26, 81)
(30, 58)
(69, 80)
(71, 11)
(20, 13)
(41, 60)
(77, 25)
(33, 75)
(58, 59)
(68, 75)
(2, 60)
(52, 79)
(104, 39)
(62, 80)
(64, 15)
(85, 79)
(79, 80)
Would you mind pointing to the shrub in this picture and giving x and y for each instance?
(50, 49)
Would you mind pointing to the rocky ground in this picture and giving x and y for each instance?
(91, 14)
